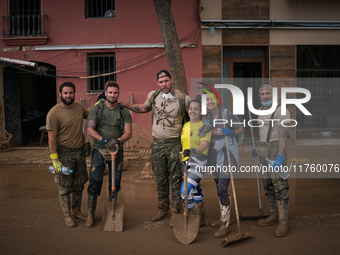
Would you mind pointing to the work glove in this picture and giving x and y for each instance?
(227, 131)
(56, 163)
(206, 128)
(112, 142)
(253, 153)
(278, 162)
(103, 140)
(187, 152)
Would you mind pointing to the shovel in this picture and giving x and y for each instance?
(113, 212)
(185, 226)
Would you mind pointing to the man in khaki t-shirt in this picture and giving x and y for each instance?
(273, 140)
(65, 140)
(168, 107)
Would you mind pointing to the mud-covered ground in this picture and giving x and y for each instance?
(31, 221)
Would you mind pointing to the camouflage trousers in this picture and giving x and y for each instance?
(273, 185)
(167, 169)
(74, 159)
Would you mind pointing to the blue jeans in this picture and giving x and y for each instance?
(97, 169)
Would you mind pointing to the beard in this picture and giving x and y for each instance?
(112, 100)
(67, 102)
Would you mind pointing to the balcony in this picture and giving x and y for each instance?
(24, 30)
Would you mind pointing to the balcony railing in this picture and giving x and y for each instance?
(23, 25)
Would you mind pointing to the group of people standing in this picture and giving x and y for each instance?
(198, 141)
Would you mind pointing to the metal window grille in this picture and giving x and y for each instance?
(24, 18)
(100, 8)
(100, 64)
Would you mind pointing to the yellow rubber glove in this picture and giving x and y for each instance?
(56, 163)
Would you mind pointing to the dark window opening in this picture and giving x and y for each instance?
(97, 65)
(99, 8)
(24, 18)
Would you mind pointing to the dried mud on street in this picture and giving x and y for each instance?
(31, 221)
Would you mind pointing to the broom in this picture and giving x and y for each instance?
(261, 214)
(239, 236)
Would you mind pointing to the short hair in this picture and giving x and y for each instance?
(162, 73)
(111, 84)
(67, 84)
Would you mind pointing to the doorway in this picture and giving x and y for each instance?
(245, 67)
(28, 98)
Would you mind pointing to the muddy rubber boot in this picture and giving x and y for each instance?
(225, 222)
(273, 216)
(76, 206)
(91, 207)
(283, 228)
(200, 208)
(65, 203)
(216, 223)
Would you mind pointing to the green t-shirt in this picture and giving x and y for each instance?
(110, 124)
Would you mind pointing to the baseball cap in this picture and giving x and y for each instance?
(266, 86)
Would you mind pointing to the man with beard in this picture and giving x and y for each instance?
(108, 124)
(273, 141)
(168, 106)
(65, 140)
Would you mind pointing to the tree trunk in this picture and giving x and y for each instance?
(171, 43)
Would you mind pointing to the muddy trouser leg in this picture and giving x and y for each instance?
(275, 189)
(222, 189)
(65, 185)
(268, 187)
(175, 175)
(118, 175)
(65, 202)
(159, 168)
(281, 192)
(195, 196)
(199, 204)
(97, 169)
(80, 177)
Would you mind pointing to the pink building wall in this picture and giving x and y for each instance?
(135, 22)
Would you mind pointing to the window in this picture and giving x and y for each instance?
(24, 18)
(100, 64)
(99, 8)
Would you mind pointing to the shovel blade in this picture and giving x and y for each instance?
(113, 217)
(185, 227)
